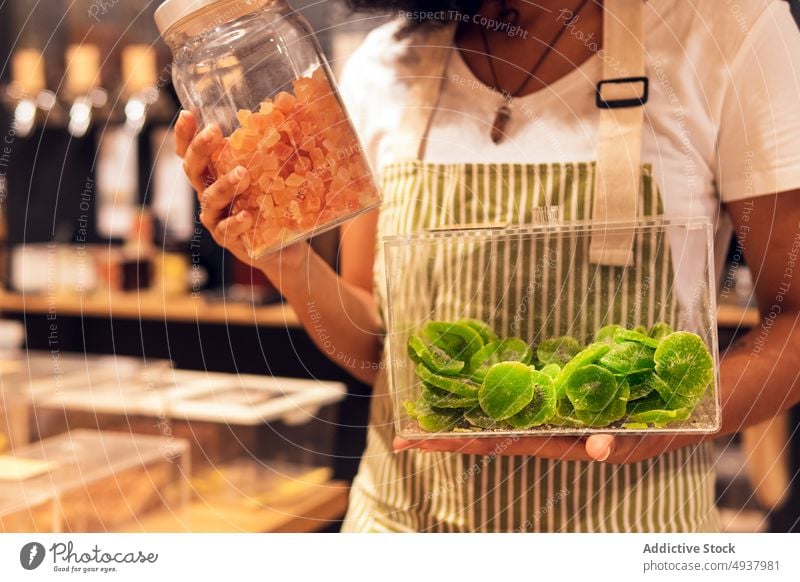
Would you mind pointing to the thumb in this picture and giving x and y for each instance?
(600, 446)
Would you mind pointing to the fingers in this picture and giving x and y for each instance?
(231, 228)
(600, 446)
(185, 128)
(198, 155)
(216, 198)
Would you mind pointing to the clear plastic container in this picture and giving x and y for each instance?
(222, 416)
(98, 480)
(255, 69)
(496, 331)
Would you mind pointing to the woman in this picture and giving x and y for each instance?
(514, 98)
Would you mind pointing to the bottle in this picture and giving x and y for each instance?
(255, 69)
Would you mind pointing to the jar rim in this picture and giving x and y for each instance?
(172, 12)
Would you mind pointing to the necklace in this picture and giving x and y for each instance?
(503, 114)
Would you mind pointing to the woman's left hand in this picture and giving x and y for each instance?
(598, 447)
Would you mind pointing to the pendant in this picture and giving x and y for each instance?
(500, 122)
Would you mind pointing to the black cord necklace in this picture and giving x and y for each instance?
(503, 114)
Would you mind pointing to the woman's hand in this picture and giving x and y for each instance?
(598, 447)
(216, 196)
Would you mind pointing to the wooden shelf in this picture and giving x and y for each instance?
(150, 306)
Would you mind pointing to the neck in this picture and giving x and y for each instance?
(532, 11)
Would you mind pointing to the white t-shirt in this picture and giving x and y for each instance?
(722, 122)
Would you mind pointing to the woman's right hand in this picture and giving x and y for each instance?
(216, 196)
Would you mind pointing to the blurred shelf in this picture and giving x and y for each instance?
(151, 306)
(734, 316)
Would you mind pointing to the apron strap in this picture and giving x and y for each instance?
(619, 143)
(424, 90)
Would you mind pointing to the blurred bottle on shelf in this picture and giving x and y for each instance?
(138, 253)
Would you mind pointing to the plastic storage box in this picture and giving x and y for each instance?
(97, 481)
(495, 331)
(222, 416)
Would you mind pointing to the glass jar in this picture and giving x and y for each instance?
(254, 68)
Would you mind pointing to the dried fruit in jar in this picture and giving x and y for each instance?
(306, 167)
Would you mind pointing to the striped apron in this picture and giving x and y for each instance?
(451, 492)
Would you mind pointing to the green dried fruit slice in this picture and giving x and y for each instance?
(650, 402)
(459, 340)
(557, 350)
(591, 388)
(507, 389)
(541, 408)
(683, 362)
(635, 426)
(508, 350)
(672, 400)
(458, 386)
(660, 418)
(644, 383)
(606, 333)
(659, 331)
(628, 358)
(613, 412)
(436, 359)
(443, 399)
(433, 419)
(552, 370)
(478, 418)
(586, 356)
(487, 333)
(627, 335)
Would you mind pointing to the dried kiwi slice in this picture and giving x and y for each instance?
(487, 333)
(552, 370)
(627, 335)
(557, 350)
(435, 359)
(433, 419)
(628, 358)
(614, 411)
(511, 349)
(644, 383)
(606, 333)
(541, 408)
(459, 340)
(459, 386)
(507, 388)
(591, 388)
(479, 419)
(659, 331)
(587, 355)
(444, 399)
(683, 362)
(660, 418)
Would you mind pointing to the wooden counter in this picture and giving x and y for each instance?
(151, 306)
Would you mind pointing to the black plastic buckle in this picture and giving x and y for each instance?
(620, 103)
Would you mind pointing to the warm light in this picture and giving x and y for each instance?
(27, 70)
(83, 68)
(138, 68)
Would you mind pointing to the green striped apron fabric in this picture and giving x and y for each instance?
(449, 492)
